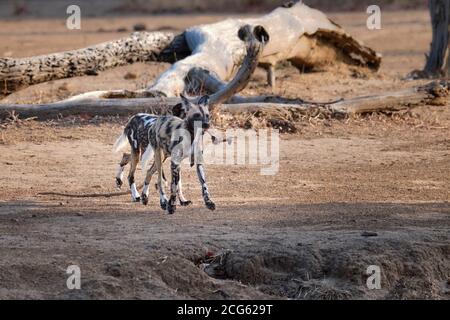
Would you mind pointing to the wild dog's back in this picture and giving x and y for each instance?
(137, 130)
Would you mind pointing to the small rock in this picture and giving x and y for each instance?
(34, 215)
(122, 29)
(139, 27)
(129, 76)
(80, 214)
(91, 72)
(114, 269)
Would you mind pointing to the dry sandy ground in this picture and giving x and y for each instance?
(297, 234)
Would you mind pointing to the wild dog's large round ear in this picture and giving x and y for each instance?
(184, 100)
(203, 101)
(178, 110)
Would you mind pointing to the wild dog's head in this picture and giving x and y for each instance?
(193, 113)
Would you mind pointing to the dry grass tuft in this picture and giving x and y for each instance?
(324, 289)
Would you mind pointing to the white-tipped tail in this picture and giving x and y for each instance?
(146, 157)
(121, 143)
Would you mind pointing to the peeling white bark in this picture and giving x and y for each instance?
(303, 35)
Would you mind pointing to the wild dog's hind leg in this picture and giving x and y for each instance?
(119, 175)
(148, 177)
(205, 191)
(175, 170)
(158, 163)
(164, 180)
(134, 159)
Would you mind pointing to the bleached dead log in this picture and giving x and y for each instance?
(111, 102)
(298, 33)
(435, 93)
(139, 47)
(302, 35)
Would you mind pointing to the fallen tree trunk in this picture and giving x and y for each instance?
(434, 93)
(431, 94)
(110, 103)
(139, 47)
(302, 35)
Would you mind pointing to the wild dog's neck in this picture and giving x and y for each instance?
(191, 129)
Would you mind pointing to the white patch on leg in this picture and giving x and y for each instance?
(162, 196)
(134, 192)
(119, 174)
(180, 192)
(146, 189)
(202, 173)
(146, 156)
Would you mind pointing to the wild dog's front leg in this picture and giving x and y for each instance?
(162, 197)
(119, 175)
(183, 201)
(205, 192)
(175, 170)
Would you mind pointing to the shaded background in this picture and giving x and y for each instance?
(93, 8)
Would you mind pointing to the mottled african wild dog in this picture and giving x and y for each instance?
(177, 136)
(136, 135)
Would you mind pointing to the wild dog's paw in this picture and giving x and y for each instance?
(137, 199)
(210, 205)
(171, 205)
(163, 204)
(144, 198)
(171, 208)
(119, 183)
(185, 203)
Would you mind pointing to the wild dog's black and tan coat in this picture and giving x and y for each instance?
(177, 136)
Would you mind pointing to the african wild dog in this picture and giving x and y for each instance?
(177, 136)
(136, 135)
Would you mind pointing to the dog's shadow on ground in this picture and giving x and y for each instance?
(348, 215)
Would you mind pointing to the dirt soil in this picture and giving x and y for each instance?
(301, 234)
